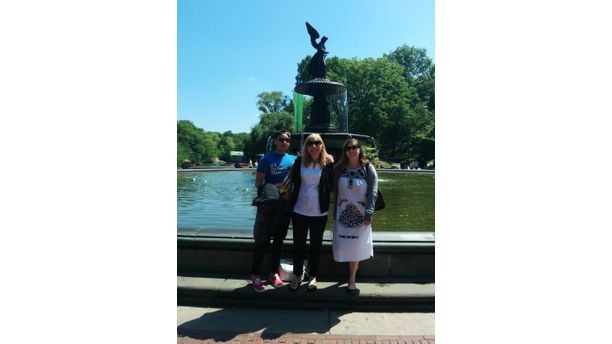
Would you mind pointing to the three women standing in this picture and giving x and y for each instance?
(355, 184)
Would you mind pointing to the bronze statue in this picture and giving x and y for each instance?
(316, 67)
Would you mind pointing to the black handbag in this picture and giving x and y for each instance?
(380, 201)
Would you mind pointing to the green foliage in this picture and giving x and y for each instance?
(203, 147)
(269, 122)
(273, 102)
(419, 72)
(370, 153)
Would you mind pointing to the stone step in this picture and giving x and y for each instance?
(376, 294)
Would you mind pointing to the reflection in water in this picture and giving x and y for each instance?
(222, 200)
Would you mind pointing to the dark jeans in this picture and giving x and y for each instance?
(263, 233)
(301, 224)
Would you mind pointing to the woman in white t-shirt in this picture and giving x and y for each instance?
(312, 180)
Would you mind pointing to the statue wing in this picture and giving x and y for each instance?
(312, 32)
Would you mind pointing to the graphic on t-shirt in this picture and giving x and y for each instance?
(277, 170)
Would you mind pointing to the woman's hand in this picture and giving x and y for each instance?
(367, 222)
(329, 159)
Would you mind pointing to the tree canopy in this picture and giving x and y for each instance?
(391, 98)
(269, 121)
(203, 147)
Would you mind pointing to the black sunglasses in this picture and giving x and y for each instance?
(313, 143)
(348, 148)
(284, 140)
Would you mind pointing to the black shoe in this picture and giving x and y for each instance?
(294, 285)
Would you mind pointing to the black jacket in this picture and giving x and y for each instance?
(325, 184)
(267, 194)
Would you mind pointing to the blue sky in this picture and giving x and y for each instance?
(230, 51)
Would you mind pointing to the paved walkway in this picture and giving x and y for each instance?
(315, 339)
(197, 325)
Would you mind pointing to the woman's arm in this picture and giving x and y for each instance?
(259, 178)
(372, 191)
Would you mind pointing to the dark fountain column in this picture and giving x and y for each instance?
(325, 93)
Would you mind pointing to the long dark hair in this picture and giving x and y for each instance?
(363, 159)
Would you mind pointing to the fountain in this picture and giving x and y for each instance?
(328, 96)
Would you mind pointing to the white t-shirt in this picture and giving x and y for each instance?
(308, 199)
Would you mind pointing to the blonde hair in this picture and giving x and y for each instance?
(306, 159)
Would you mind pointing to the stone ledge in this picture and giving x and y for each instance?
(406, 255)
(405, 242)
(388, 294)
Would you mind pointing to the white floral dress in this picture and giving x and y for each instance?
(352, 241)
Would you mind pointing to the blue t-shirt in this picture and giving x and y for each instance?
(275, 166)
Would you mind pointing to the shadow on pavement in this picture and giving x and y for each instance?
(227, 323)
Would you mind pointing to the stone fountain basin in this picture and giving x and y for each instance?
(320, 87)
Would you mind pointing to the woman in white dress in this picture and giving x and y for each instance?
(355, 195)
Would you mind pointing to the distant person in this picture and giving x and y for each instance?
(356, 188)
(272, 220)
(250, 163)
(312, 180)
(255, 164)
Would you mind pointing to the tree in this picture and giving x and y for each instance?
(195, 144)
(419, 71)
(272, 102)
(269, 121)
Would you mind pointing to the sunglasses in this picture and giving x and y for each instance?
(284, 140)
(313, 143)
(348, 148)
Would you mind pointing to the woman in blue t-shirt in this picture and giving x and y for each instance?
(272, 169)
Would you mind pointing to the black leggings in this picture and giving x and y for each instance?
(260, 248)
(301, 224)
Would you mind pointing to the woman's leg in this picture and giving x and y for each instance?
(259, 252)
(262, 241)
(353, 266)
(300, 231)
(317, 229)
(277, 244)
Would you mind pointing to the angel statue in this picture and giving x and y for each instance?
(317, 68)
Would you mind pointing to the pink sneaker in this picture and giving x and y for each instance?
(275, 281)
(258, 285)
